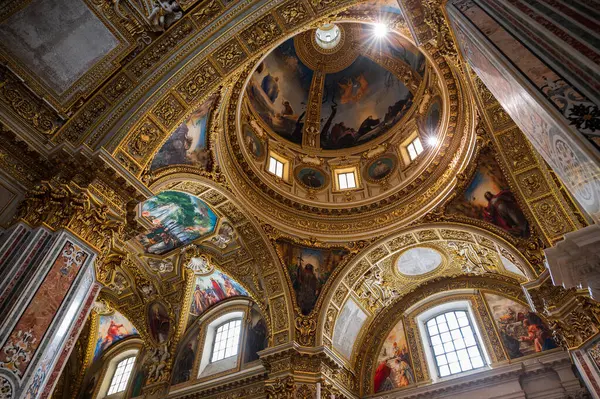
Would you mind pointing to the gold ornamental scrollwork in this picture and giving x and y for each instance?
(281, 388)
(68, 206)
(306, 328)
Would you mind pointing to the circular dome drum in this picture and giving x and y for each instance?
(320, 144)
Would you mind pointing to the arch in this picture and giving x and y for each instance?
(200, 337)
(428, 295)
(100, 372)
(258, 268)
(369, 278)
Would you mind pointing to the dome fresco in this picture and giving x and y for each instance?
(323, 198)
(360, 98)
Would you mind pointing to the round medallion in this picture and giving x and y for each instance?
(311, 177)
(418, 261)
(381, 168)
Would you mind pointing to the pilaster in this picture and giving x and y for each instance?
(552, 113)
(307, 373)
(48, 282)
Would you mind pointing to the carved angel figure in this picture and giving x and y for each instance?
(158, 363)
(164, 14)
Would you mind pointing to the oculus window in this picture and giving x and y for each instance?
(121, 375)
(414, 148)
(454, 343)
(227, 339)
(328, 36)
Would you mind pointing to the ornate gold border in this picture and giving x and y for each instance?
(307, 165)
(439, 268)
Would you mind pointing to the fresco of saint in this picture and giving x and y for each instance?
(212, 289)
(394, 368)
(489, 198)
(522, 331)
(188, 144)
(309, 269)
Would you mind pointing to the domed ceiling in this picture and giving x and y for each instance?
(362, 86)
(343, 99)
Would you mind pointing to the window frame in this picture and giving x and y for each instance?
(214, 341)
(412, 143)
(129, 347)
(345, 176)
(337, 171)
(277, 162)
(475, 332)
(457, 300)
(112, 378)
(285, 166)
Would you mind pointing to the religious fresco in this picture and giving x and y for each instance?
(139, 380)
(112, 328)
(311, 177)
(400, 48)
(381, 168)
(278, 91)
(360, 103)
(188, 144)
(253, 143)
(432, 119)
(309, 269)
(89, 385)
(394, 366)
(488, 197)
(257, 335)
(418, 261)
(158, 322)
(184, 363)
(347, 327)
(213, 288)
(178, 218)
(522, 331)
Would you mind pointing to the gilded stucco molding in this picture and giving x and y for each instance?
(372, 280)
(384, 321)
(358, 220)
(554, 213)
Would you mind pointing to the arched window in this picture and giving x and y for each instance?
(222, 341)
(118, 383)
(227, 340)
(454, 344)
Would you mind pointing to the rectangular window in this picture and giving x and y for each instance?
(227, 339)
(276, 167)
(454, 344)
(346, 180)
(121, 375)
(414, 148)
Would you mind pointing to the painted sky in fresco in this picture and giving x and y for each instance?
(177, 218)
(111, 329)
